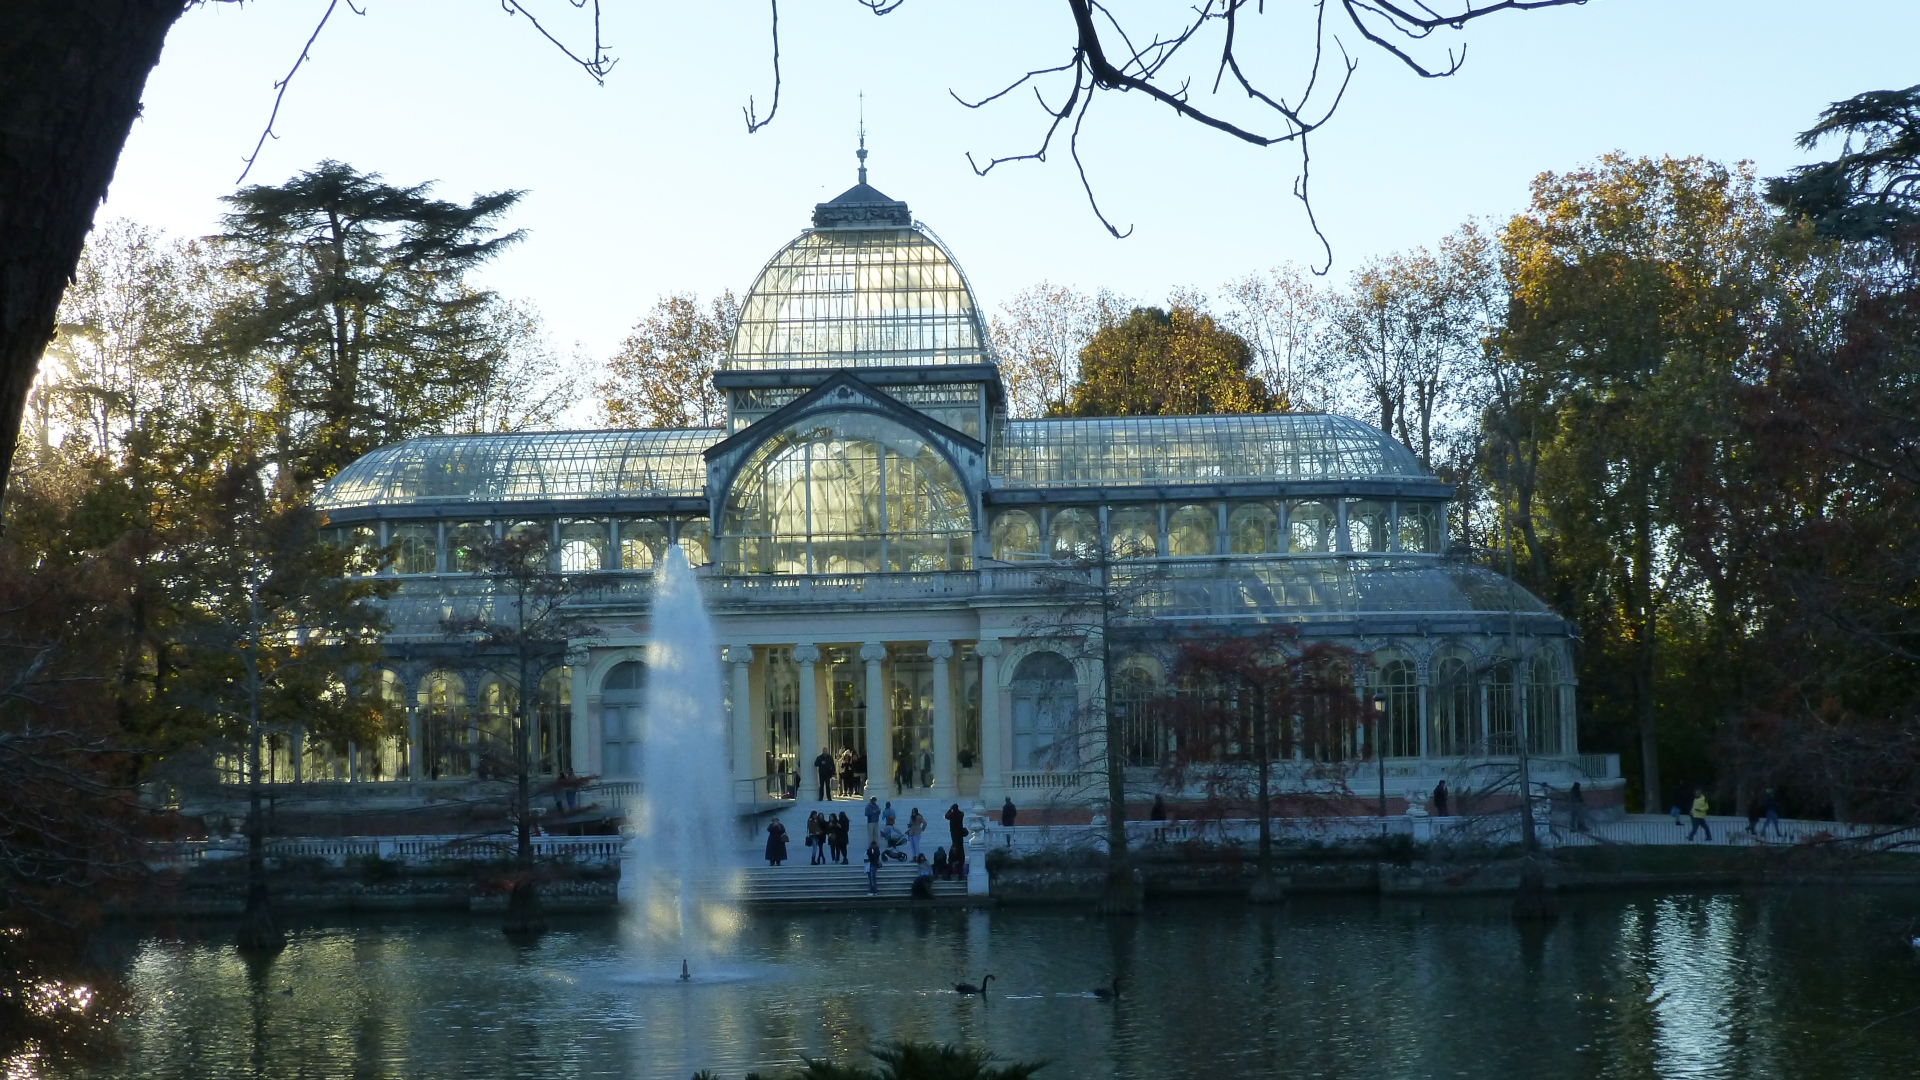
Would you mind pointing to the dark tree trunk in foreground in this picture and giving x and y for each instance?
(71, 75)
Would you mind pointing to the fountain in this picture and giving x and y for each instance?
(677, 875)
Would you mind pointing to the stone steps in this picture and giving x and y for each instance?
(806, 885)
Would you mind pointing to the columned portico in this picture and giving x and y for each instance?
(740, 659)
(811, 737)
(992, 775)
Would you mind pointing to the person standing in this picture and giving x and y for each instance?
(926, 768)
(776, 843)
(915, 826)
(1440, 799)
(887, 816)
(1753, 816)
(860, 771)
(842, 834)
(1008, 813)
(873, 820)
(956, 829)
(823, 768)
(1700, 815)
(1770, 806)
(1577, 809)
(873, 869)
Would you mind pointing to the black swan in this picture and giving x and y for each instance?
(1108, 993)
(969, 988)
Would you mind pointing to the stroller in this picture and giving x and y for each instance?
(894, 841)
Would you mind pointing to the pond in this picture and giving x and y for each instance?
(1791, 984)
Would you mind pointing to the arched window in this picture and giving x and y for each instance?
(1395, 682)
(1419, 527)
(782, 757)
(1073, 534)
(1015, 536)
(442, 699)
(494, 726)
(1543, 703)
(696, 539)
(553, 723)
(643, 543)
(1253, 530)
(847, 494)
(535, 543)
(467, 543)
(622, 696)
(1132, 533)
(1045, 700)
(1369, 525)
(1135, 690)
(1500, 706)
(417, 547)
(1190, 531)
(583, 546)
(1452, 700)
(1310, 527)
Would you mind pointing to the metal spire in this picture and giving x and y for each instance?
(862, 154)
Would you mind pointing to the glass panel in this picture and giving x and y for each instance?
(553, 723)
(1015, 536)
(1452, 700)
(783, 723)
(1190, 531)
(912, 737)
(1500, 708)
(466, 543)
(442, 701)
(966, 698)
(643, 543)
(583, 546)
(1210, 449)
(536, 536)
(696, 538)
(416, 547)
(1045, 700)
(526, 467)
(1132, 532)
(1310, 526)
(1073, 534)
(1369, 525)
(855, 298)
(840, 495)
(847, 675)
(1543, 704)
(1143, 737)
(363, 545)
(622, 699)
(1253, 530)
(1399, 729)
(1420, 527)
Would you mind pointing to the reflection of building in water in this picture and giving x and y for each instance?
(886, 554)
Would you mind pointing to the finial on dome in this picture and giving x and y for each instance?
(862, 152)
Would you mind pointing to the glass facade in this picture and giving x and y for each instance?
(524, 467)
(858, 298)
(1211, 449)
(855, 495)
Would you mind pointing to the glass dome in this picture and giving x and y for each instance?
(859, 297)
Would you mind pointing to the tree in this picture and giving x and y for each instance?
(1234, 702)
(662, 376)
(524, 627)
(1872, 190)
(1279, 315)
(1156, 362)
(1634, 291)
(352, 294)
(1038, 335)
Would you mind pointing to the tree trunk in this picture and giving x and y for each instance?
(258, 934)
(71, 75)
(1266, 884)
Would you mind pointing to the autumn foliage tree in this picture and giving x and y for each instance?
(662, 375)
(1158, 362)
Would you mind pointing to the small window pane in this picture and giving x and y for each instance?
(1015, 536)
(1310, 526)
(696, 536)
(415, 547)
(1253, 530)
(1190, 531)
(1419, 527)
(1368, 524)
(643, 543)
(583, 546)
(1073, 534)
(466, 546)
(1131, 533)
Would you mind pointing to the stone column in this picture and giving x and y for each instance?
(804, 657)
(413, 742)
(879, 750)
(945, 764)
(591, 754)
(992, 744)
(745, 769)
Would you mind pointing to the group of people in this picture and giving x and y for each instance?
(1762, 813)
(848, 770)
(828, 840)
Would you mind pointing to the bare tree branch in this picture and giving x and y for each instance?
(754, 124)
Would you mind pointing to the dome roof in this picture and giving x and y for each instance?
(865, 288)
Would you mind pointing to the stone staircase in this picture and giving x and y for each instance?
(803, 885)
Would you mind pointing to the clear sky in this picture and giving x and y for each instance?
(652, 184)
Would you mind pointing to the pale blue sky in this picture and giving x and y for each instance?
(651, 183)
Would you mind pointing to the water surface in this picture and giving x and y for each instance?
(1791, 984)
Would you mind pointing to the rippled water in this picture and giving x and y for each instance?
(1798, 984)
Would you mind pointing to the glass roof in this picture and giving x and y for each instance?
(526, 467)
(859, 298)
(1208, 449)
(1253, 588)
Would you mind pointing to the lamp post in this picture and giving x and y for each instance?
(1379, 753)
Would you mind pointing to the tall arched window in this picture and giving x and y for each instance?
(1015, 536)
(1543, 703)
(1190, 531)
(1452, 700)
(1073, 534)
(1501, 706)
(1369, 525)
(846, 494)
(1253, 530)
(622, 697)
(1045, 701)
(1394, 681)
(417, 547)
(442, 700)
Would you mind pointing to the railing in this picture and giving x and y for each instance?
(1601, 766)
(405, 850)
(1047, 781)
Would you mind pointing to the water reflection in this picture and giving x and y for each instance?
(1668, 986)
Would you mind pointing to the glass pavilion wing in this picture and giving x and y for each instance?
(1297, 587)
(1210, 449)
(526, 467)
(857, 298)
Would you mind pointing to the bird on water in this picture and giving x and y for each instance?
(969, 988)
(685, 975)
(1108, 993)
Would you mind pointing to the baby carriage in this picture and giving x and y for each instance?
(894, 840)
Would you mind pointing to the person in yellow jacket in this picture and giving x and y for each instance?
(1700, 815)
